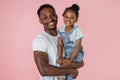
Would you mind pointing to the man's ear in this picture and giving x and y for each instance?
(40, 20)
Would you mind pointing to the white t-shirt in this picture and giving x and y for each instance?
(47, 43)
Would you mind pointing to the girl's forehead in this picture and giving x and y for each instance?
(70, 11)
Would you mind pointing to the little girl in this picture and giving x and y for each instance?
(70, 39)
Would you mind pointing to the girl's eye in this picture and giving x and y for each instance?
(69, 17)
(66, 17)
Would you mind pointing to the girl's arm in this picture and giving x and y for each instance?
(76, 50)
(60, 47)
(67, 62)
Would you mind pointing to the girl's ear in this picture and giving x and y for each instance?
(76, 19)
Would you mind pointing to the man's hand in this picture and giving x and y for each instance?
(74, 73)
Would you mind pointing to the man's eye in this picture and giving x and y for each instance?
(44, 17)
(52, 15)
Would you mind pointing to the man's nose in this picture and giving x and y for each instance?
(50, 18)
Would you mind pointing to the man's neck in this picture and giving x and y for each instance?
(52, 32)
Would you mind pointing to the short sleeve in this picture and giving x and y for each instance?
(59, 34)
(39, 44)
(78, 33)
(60, 30)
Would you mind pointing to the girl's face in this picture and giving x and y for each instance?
(70, 18)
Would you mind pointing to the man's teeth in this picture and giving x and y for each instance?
(51, 23)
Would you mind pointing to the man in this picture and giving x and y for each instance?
(45, 47)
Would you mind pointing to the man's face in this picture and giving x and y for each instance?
(48, 18)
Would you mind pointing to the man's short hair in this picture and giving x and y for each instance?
(44, 6)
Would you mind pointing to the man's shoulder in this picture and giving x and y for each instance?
(39, 43)
(39, 37)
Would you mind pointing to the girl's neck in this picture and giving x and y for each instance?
(68, 28)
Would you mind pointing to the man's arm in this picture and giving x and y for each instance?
(76, 65)
(45, 69)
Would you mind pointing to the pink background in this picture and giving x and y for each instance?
(99, 20)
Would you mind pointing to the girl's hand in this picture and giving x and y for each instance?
(60, 61)
(66, 62)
